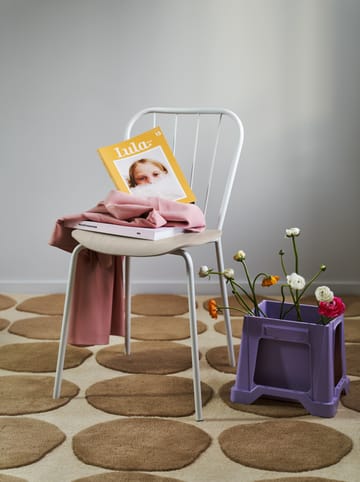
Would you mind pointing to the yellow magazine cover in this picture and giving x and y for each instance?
(145, 165)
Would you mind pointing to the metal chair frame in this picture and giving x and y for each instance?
(177, 245)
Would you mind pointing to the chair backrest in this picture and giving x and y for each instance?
(207, 144)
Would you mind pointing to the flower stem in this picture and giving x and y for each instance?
(295, 254)
(241, 301)
(281, 253)
(252, 288)
(282, 301)
(295, 298)
(309, 283)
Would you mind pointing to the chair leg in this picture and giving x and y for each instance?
(127, 306)
(193, 333)
(65, 322)
(225, 302)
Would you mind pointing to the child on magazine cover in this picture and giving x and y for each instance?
(148, 177)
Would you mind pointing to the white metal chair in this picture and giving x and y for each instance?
(204, 140)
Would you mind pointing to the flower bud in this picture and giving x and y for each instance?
(204, 271)
(229, 273)
(239, 256)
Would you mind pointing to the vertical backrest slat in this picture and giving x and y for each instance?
(212, 165)
(175, 134)
(212, 181)
(195, 152)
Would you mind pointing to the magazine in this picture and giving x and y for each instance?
(128, 231)
(145, 165)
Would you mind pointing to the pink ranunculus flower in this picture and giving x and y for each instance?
(332, 309)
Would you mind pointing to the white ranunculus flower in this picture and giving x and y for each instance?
(204, 271)
(323, 293)
(229, 273)
(292, 232)
(296, 281)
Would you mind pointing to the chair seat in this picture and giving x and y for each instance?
(123, 246)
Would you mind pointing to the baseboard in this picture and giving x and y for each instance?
(32, 287)
(203, 287)
(52, 286)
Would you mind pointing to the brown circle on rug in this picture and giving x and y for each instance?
(159, 305)
(141, 444)
(352, 329)
(26, 440)
(4, 323)
(40, 327)
(10, 478)
(266, 407)
(6, 302)
(162, 328)
(352, 303)
(156, 357)
(352, 399)
(284, 446)
(44, 305)
(236, 326)
(125, 477)
(299, 479)
(146, 395)
(218, 358)
(21, 394)
(352, 359)
(39, 357)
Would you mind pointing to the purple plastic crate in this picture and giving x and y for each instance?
(292, 360)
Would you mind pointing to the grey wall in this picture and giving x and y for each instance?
(74, 71)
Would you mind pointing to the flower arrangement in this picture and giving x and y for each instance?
(329, 306)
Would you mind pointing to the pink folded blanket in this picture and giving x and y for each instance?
(97, 308)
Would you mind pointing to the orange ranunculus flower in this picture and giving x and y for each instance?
(212, 307)
(270, 280)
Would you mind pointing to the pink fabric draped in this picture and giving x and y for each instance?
(97, 308)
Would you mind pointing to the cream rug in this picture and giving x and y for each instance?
(132, 418)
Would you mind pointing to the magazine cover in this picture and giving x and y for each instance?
(145, 165)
